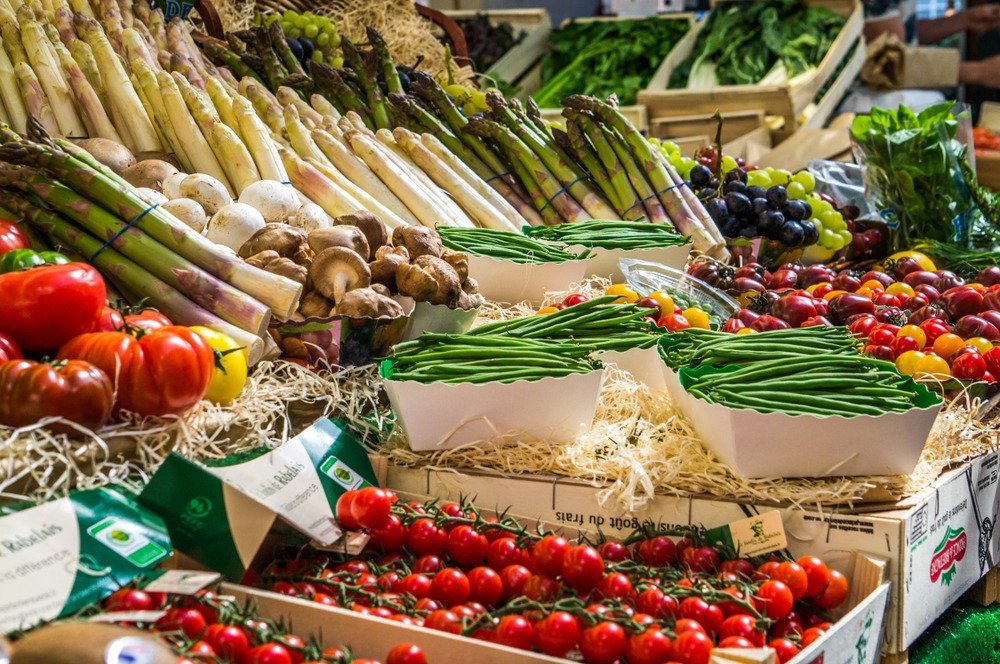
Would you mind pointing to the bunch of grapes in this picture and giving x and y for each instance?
(310, 37)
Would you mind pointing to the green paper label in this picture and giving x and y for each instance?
(60, 556)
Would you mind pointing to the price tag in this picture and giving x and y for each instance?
(182, 582)
(753, 536)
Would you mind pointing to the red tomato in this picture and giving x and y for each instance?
(793, 576)
(423, 537)
(970, 365)
(269, 653)
(615, 586)
(574, 299)
(165, 372)
(371, 507)
(548, 554)
(834, 594)
(613, 551)
(583, 567)
(427, 565)
(406, 653)
(810, 635)
(188, 621)
(515, 631)
(503, 552)
(775, 598)
(657, 551)
(485, 586)
(707, 615)
(649, 647)
(514, 577)
(12, 236)
(541, 588)
(467, 547)
(390, 536)
(76, 391)
(817, 572)
(444, 621)
(735, 608)
(344, 516)
(110, 321)
(743, 625)
(784, 649)
(692, 648)
(46, 306)
(881, 336)
(604, 643)
(557, 633)
(229, 641)
(675, 322)
(417, 585)
(450, 586)
(9, 349)
(992, 359)
(700, 559)
(900, 345)
(203, 651)
(129, 599)
(863, 325)
(687, 625)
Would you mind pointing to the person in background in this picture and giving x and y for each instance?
(939, 20)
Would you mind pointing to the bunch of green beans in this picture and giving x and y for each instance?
(505, 246)
(844, 385)
(598, 324)
(698, 348)
(606, 234)
(463, 358)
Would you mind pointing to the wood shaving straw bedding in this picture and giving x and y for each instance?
(280, 399)
(641, 445)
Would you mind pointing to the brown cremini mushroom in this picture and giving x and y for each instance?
(386, 263)
(470, 286)
(449, 286)
(349, 237)
(261, 259)
(366, 303)
(457, 260)
(286, 267)
(337, 270)
(314, 305)
(381, 289)
(416, 282)
(373, 228)
(418, 240)
(281, 238)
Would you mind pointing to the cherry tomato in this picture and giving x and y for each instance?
(557, 633)
(370, 507)
(547, 310)
(700, 559)
(575, 298)
(129, 599)
(467, 547)
(416, 585)
(649, 647)
(707, 615)
(583, 567)
(692, 648)
(674, 322)
(423, 537)
(269, 653)
(810, 635)
(515, 631)
(880, 353)
(444, 620)
(908, 362)
(817, 572)
(665, 302)
(485, 585)
(613, 551)
(450, 586)
(743, 625)
(624, 293)
(992, 359)
(615, 586)
(933, 366)
(503, 552)
(914, 332)
(188, 621)
(406, 653)
(982, 344)
(881, 336)
(656, 603)
(948, 344)
(687, 625)
(390, 536)
(548, 554)
(793, 576)
(604, 643)
(541, 588)
(933, 328)
(784, 649)
(514, 577)
(696, 318)
(657, 551)
(775, 598)
(834, 594)
(203, 651)
(969, 366)
(901, 345)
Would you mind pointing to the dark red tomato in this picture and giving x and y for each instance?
(647, 303)
(656, 551)
(875, 275)
(919, 277)
(46, 306)
(846, 281)
(423, 537)
(557, 633)
(9, 350)
(427, 605)
(541, 588)
(692, 648)
(548, 554)
(656, 603)
(444, 620)
(129, 599)
(165, 372)
(707, 615)
(575, 298)
(453, 510)
(932, 294)
(649, 647)
(406, 653)
(417, 585)
(863, 325)
(988, 276)
(515, 631)
(228, 641)
(783, 279)
(733, 325)
(992, 359)
(269, 653)
(969, 366)
(815, 274)
(485, 586)
(583, 567)
(740, 567)
(427, 565)
(742, 625)
(74, 390)
(834, 594)
(390, 536)
(947, 280)
(817, 572)
(467, 547)
(888, 300)
(976, 326)
(514, 578)
(794, 309)
(503, 552)
(700, 559)
(12, 236)
(613, 551)
(961, 301)
(784, 649)
(147, 320)
(793, 576)
(615, 586)
(843, 306)
(111, 320)
(604, 643)
(187, 621)
(992, 317)
(371, 507)
(787, 626)
(775, 599)
(450, 586)
(766, 323)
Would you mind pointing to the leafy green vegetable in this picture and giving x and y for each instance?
(743, 43)
(912, 172)
(600, 58)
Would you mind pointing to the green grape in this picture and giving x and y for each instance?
(817, 223)
(806, 179)
(335, 40)
(759, 178)
(728, 164)
(336, 62)
(317, 56)
(289, 15)
(845, 237)
(286, 27)
(271, 18)
(294, 33)
(779, 176)
(684, 167)
(311, 31)
(819, 206)
(795, 190)
(301, 22)
(828, 239)
(833, 220)
(323, 40)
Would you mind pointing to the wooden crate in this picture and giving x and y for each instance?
(786, 101)
(988, 169)
(516, 62)
(734, 125)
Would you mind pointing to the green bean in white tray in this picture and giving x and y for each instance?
(505, 246)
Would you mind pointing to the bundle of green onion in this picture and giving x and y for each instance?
(463, 358)
(607, 234)
(504, 246)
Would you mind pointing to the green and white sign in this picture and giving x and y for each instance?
(60, 556)
(220, 516)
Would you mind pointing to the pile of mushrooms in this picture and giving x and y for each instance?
(355, 267)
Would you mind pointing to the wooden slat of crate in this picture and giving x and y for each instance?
(526, 53)
(734, 124)
(988, 170)
(635, 114)
(825, 107)
(782, 100)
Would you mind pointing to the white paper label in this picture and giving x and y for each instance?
(39, 555)
(182, 582)
(127, 617)
(285, 481)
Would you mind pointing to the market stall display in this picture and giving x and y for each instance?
(248, 279)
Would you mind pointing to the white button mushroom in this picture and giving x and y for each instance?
(233, 225)
(272, 199)
(206, 190)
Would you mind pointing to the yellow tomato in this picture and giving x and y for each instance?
(900, 288)
(914, 333)
(933, 366)
(832, 294)
(908, 362)
(696, 317)
(230, 374)
(624, 293)
(666, 302)
(923, 260)
(812, 289)
(746, 330)
(982, 344)
(979, 288)
(873, 284)
(870, 293)
(948, 344)
(746, 298)
(548, 310)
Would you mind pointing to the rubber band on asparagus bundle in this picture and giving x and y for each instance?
(494, 177)
(663, 191)
(121, 231)
(563, 190)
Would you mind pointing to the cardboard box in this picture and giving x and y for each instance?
(786, 101)
(930, 67)
(441, 416)
(937, 544)
(988, 169)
